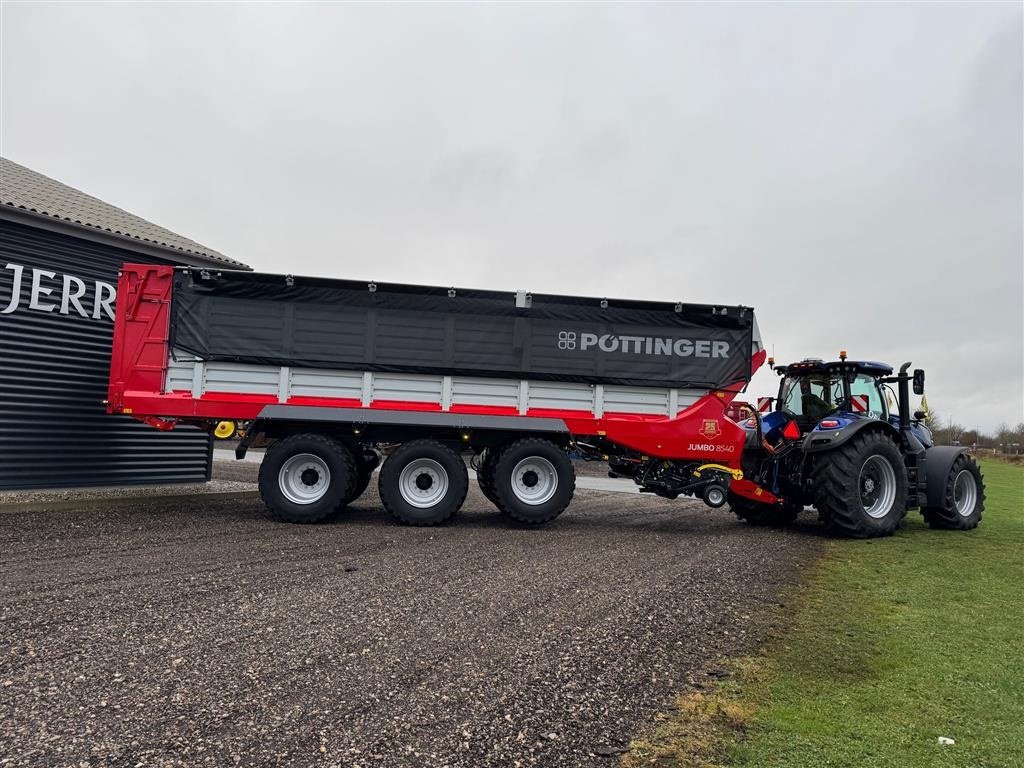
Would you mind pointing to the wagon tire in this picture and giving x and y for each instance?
(366, 462)
(423, 482)
(362, 482)
(485, 475)
(305, 477)
(534, 481)
(860, 488)
(963, 497)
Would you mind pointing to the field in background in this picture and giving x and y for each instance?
(892, 644)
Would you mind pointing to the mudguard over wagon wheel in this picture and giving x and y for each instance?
(305, 477)
(860, 487)
(963, 497)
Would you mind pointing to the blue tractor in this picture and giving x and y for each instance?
(833, 442)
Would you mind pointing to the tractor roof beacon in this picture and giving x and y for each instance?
(833, 442)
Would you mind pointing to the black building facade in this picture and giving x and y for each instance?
(58, 281)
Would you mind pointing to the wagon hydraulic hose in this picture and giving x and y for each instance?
(760, 435)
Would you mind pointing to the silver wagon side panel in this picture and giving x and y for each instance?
(186, 373)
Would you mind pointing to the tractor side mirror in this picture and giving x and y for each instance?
(918, 381)
(920, 415)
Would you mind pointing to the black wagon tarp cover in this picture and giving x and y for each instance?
(323, 323)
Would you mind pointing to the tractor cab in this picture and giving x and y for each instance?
(825, 397)
(830, 395)
(826, 401)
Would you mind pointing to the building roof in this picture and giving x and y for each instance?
(27, 190)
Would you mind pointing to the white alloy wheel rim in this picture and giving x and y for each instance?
(423, 483)
(877, 485)
(965, 493)
(715, 496)
(534, 480)
(304, 478)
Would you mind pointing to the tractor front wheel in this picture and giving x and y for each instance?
(860, 488)
(964, 497)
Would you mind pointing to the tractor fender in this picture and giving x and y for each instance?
(938, 461)
(823, 440)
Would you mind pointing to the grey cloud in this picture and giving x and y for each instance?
(853, 171)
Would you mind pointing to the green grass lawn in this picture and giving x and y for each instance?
(893, 643)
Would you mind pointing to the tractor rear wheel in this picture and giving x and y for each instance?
(756, 513)
(964, 497)
(860, 488)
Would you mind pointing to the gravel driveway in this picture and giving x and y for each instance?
(199, 632)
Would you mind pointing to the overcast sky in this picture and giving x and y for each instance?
(854, 172)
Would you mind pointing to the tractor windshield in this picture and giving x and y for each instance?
(866, 398)
(810, 398)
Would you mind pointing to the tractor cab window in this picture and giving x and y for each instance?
(810, 398)
(866, 398)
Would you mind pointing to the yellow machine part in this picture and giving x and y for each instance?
(736, 474)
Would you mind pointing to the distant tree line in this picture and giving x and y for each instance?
(945, 431)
